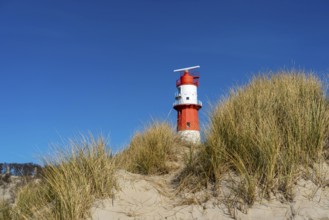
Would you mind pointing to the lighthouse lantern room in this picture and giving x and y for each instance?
(187, 105)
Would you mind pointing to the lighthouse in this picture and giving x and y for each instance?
(187, 105)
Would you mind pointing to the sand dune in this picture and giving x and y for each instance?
(142, 197)
(151, 197)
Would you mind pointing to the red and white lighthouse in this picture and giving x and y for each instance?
(187, 105)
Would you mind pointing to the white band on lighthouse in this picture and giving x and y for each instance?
(187, 94)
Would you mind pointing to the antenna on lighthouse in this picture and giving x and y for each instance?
(186, 69)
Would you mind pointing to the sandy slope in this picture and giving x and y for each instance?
(310, 202)
(142, 197)
(151, 197)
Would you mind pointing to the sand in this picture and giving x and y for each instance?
(143, 197)
(151, 197)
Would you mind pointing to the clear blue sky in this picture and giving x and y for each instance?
(70, 67)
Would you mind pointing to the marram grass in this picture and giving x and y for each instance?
(71, 181)
(5, 210)
(150, 150)
(267, 133)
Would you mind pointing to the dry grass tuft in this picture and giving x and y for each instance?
(266, 132)
(5, 210)
(150, 151)
(71, 182)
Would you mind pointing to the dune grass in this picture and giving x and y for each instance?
(267, 134)
(150, 150)
(5, 210)
(71, 181)
(83, 171)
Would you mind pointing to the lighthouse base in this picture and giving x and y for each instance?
(190, 136)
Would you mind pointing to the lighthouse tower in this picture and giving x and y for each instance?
(187, 105)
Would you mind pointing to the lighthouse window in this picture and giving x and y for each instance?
(187, 98)
(188, 124)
